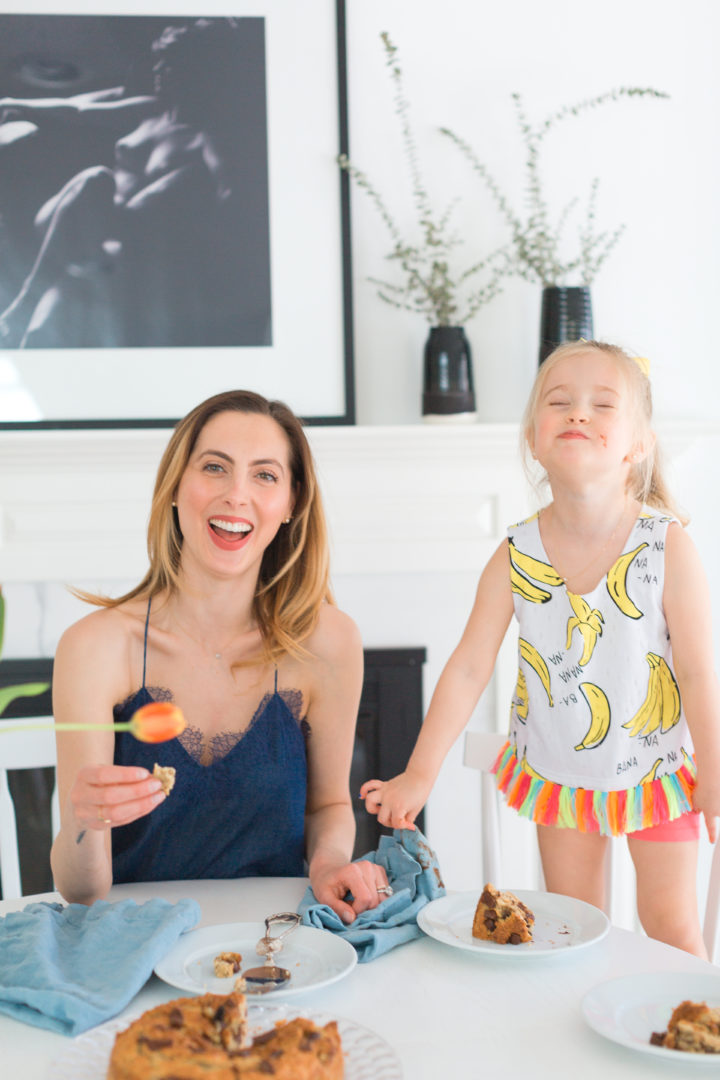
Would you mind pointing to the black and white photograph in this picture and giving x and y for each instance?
(135, 191)
(161, 235)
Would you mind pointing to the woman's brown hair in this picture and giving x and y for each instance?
(294, 579)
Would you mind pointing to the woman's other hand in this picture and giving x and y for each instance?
(362, 880)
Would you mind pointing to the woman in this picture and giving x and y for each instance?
(234, 621)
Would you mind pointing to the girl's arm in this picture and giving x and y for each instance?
(466, 674)
(329, 821)
(687, 610)
(94, 794)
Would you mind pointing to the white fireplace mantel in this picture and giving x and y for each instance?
(418, 498)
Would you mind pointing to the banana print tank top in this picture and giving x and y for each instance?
(598, 738)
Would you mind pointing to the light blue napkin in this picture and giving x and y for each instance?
(412, 869)
(70, 968)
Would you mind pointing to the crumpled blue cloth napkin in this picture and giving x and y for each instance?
(413, 871)
(70, 968)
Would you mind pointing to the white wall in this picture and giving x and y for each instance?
(658, 161)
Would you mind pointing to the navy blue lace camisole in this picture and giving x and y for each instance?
(243, 815)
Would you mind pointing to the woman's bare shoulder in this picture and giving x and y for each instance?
(106, 628)
(335, 636)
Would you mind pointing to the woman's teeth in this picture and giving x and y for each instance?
(230, 526)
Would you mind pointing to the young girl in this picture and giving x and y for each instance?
(615, 655)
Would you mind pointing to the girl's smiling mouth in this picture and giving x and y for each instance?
(229, 533)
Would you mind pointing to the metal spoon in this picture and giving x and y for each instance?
(260, 980)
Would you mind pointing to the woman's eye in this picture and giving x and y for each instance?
(265, 475)
(213, 467)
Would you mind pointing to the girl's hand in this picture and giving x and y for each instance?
(706, 800)
(396, 802)
(362, 879)
(103, 796)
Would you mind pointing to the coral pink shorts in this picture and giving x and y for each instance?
(686, 827)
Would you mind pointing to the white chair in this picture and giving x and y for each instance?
(481, 751)
(712, 904)
(21, 750)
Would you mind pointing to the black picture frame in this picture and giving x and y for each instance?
(309, 365)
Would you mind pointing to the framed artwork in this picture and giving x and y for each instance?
(173, 222)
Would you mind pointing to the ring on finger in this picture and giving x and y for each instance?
(385, 890)
(101, 816)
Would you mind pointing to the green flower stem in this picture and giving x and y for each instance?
(48, 725)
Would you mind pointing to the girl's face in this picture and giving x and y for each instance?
(235, 493)
(585, 419)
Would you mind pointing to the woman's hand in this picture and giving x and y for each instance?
(103, 796)
(396, 802)
(362, 879)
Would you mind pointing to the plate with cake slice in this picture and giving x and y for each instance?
(673, 1015)
(523, 923)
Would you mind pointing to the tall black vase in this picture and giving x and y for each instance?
(448, 381)
(566, 316)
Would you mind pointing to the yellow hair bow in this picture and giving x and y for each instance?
(644, 364)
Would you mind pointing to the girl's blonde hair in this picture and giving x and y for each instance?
(646, 482)
(294, 579)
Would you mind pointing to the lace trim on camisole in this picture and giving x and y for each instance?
(207, 751)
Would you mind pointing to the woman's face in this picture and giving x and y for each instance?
(235, 493)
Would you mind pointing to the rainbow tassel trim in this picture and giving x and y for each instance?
(611, 813)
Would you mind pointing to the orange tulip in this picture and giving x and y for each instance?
(157, 722)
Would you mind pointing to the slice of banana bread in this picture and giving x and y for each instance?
(501, 917)
(693, 1027)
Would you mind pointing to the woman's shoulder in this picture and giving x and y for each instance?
(335, 636)
(104, 628)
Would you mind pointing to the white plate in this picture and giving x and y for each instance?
(629, 1009)
(367, 1056)
(561, 923)
(313, 957)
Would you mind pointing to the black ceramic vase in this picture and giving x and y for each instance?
(566, 316)
(448, 382)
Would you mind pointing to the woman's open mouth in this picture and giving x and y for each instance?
(229, 533)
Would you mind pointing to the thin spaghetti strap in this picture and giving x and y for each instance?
(147, 624)
(276, 673)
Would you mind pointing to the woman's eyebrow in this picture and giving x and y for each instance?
(216, 453)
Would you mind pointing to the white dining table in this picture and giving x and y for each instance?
(445, 1011)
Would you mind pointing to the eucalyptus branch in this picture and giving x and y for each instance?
(536, 242)
(431, 287)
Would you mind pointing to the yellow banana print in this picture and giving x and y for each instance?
(520, 700)
(527, 589)
(670, 697)
(652, 775)
(600, 713)
(530, 654)
(534, 568)
(529, 769)
(617, 583)
(588, 621)
(661, 707)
